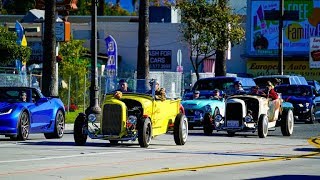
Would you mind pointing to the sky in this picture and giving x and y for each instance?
(125, 4)
(238, 5)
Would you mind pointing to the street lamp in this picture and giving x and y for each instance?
(94, 88)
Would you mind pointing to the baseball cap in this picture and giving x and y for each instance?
(122, 81)
(269, 84)
(237, 83)
(216, 90)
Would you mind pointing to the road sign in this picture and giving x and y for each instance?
(63, 31)
(179, 61)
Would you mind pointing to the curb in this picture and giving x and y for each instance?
(68, 128)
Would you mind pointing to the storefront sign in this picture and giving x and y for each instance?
(264, 34)
(314, 57)
(160, 59)
(260, 68)
(37, 51)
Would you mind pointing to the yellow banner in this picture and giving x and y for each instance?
(260, 68)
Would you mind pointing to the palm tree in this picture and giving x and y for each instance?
(143, 42)
(49, 80)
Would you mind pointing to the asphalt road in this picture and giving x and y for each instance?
(244, 156)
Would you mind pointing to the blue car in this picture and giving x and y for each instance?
(303, 99)
(201, 111)
(25, 110)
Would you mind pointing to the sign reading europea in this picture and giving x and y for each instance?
(160, 59)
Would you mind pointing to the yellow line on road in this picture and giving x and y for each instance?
(315, 141)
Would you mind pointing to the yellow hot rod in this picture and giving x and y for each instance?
(133, 115)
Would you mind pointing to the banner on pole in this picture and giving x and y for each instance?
(112, 63)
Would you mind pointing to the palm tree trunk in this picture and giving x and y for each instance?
(49, 74)
(102, 8)
(143, 42)
(220, 68)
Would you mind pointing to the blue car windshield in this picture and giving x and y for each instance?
(13, 95)
(294, 91)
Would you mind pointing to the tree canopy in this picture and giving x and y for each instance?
(208, 27)
(9, 49)
(73, 65)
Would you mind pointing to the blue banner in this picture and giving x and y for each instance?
(20, 32)
(112, 63)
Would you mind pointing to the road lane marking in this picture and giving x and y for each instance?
(73, 156)
(171, 170)
(315, 141)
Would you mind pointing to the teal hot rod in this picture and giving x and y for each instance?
(200, 111)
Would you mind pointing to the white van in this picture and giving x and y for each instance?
(284, 79)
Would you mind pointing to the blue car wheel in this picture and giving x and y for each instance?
(58, 127)
(23, 128)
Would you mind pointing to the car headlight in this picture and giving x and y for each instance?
(5, 111)
(307, 104)
(208, 108)
(300, 105)
(197, 113)
(248, 118)
(218, 118)
(92, 118)
(132, 119)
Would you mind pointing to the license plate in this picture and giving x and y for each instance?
(233, 123)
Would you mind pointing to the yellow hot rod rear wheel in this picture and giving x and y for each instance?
(180, 131)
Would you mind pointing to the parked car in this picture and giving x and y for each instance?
(284, 79)
(252, 113)
(201, 108)
(303, 99)
(37, 114)
(223, 83)
(128, 116)
(315, 84)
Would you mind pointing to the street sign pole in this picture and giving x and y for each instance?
(281, 15)
(280, 50)
(94, 87)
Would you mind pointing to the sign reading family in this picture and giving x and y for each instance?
(264, 34)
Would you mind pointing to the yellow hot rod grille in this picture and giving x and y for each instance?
(112, 119)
